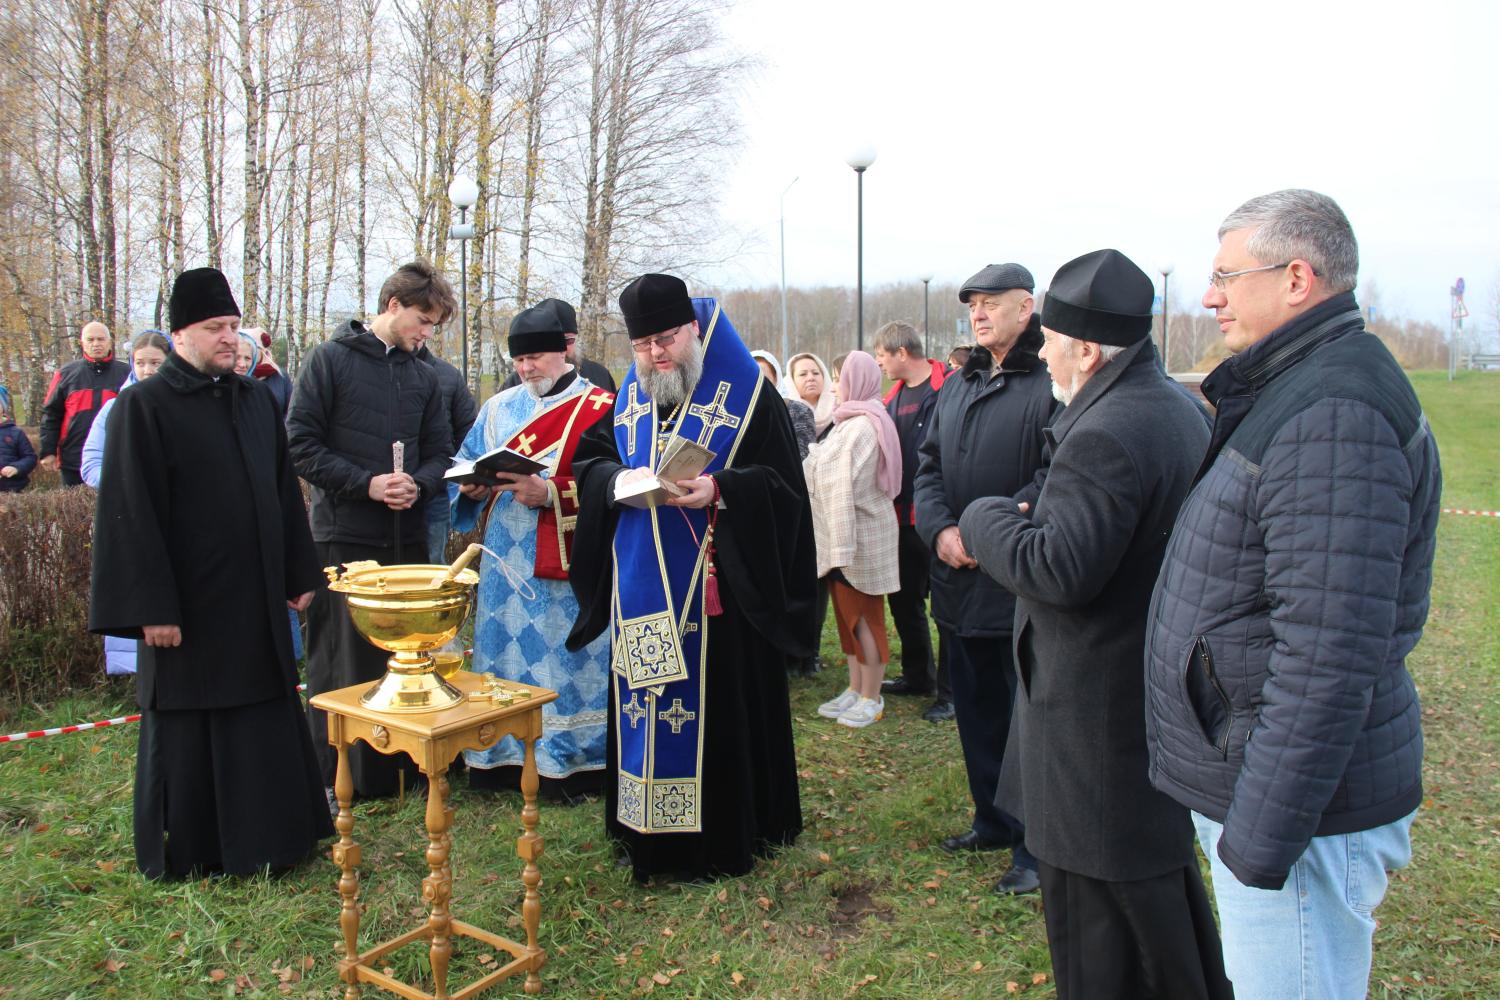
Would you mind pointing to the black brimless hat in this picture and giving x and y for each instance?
(997, 278)
(565, 314)
(537, 330)
(200, 294)
(653, 303)
(1101, 297)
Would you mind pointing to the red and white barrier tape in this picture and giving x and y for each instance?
(37, 734)
(1476, 513)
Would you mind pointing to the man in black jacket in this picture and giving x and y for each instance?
(458, 403)
(915, 380)
(984, 440)
(78, 390)
(1127, 914)
(1279, 707)
(357, 394)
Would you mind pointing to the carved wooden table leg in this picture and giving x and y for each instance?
(437, 888)
(347, 856)
(529, 847)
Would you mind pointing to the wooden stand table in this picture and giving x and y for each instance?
(432, 740)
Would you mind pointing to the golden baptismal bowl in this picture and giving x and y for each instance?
(407, 610)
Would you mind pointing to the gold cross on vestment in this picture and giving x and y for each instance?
(602, 400)
(634, 711)
(631, 415)
(571, 493)
(714, 414)
(524, 443)
(676, 717)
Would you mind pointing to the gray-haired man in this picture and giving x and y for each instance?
(1279, 708)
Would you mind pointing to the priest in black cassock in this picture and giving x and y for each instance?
(200, 545)
(708, 595)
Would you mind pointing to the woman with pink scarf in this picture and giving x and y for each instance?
(852, 477)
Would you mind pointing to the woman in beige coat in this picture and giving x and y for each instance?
(852, 477)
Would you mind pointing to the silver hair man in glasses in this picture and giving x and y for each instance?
(1295, 584)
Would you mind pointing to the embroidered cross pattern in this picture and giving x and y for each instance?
(676, 716)
(602, 400)
(634, 711)
(713, 414)
(524, 443)
(633, 412)
(650, 652)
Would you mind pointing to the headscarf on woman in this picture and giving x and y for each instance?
(782, 386)
(823, 411)
(859, 392)
(246, 337)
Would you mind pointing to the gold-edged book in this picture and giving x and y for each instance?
(683, 459)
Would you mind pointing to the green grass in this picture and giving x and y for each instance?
(863, 904)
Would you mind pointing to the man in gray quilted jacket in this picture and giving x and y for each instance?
(1279, 708)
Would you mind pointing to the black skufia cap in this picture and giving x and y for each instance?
(994, 278)
(199, 294)
(655, 302)
(538, 330)
(565, 314)
(1101, 297)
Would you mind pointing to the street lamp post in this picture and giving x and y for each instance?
(860, 159)
(463, 193)
(1166, 276)
(783, 268)
(926, 332)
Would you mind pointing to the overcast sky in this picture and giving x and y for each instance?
(1039, 131)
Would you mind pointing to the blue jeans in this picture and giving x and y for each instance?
(1310, 939)
(437, 531)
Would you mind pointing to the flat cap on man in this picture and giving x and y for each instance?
(199, 294)
(537, 330)
(653, 303)
(997, 278)
(1101, 297)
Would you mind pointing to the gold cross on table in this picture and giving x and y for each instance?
(602, 400)
(632, 414)
(713, 414)
(676, 717)
(524, 443)
(634, 710)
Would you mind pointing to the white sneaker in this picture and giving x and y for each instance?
(863, 712)
(838, 706)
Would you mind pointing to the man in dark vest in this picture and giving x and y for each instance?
(1127, 914)
(200, 546)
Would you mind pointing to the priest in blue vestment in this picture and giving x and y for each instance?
(529, 522)
(707, 596)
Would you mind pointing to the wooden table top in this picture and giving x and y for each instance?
(435, 725)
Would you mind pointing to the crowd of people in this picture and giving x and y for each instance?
(1159, 625)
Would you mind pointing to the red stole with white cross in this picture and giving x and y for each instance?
(555, 522)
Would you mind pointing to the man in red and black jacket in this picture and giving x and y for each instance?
(79, 388)
(910, 402)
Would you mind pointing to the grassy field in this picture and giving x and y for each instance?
(863, 905)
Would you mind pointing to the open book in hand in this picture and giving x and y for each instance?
(683, 459)
(485, 469)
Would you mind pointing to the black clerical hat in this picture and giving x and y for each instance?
(565, 314)
(997, 278)
(200, 294)
(537, 330)
(653, 303)
(1102, 297)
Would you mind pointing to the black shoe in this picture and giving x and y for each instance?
(969, 841)
(900, 685)
(1018, 882)
(939, 711)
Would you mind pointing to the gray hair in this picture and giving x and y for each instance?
(1297, 224)
(898, 336)
(1108, 352)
